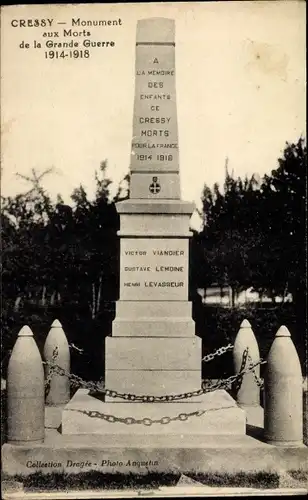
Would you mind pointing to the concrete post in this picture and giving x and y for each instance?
(283, 393)
(249, 392)
(59, 389)
(25, 391)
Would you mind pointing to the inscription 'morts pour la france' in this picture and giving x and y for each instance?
(155, 131)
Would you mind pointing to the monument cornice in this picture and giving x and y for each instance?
(143, 234)
(150, 206)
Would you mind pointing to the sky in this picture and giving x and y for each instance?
(240, 83)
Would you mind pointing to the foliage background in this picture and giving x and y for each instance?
(61, 261)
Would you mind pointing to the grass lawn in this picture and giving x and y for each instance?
(117, 481)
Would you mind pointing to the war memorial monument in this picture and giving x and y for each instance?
(154, 409)
(153, 350)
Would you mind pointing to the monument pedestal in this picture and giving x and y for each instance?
(153, 349)
(214, 413)
(144, 452)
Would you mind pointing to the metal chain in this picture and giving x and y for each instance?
(259, 381)
(219, 352)
(239, 380)
(206, 386)
(51, 370)
(75, 380)
(78, 381)
(226, 383)
(77, 349)
(147, 420)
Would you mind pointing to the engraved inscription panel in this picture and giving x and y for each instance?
(155, 131)
(154, 269)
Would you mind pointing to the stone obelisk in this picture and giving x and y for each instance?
(153, 349)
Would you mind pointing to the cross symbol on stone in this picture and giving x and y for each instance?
(155, 186)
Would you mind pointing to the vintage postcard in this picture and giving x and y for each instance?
(153, 210)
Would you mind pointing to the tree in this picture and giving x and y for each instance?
(254, 233)
(230, 231)
(96, 243)
(26, 217)
(58, 256)
(284, 227)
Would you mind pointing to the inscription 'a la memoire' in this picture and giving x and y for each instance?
(156, 72)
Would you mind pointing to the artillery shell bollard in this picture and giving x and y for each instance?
(25, 391)
(283, 393)
(249, 392)
(56, 350)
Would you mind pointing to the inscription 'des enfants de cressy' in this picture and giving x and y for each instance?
(155, 110)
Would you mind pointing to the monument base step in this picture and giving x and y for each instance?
(153, 327)
(142, 455)
(215, 413)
